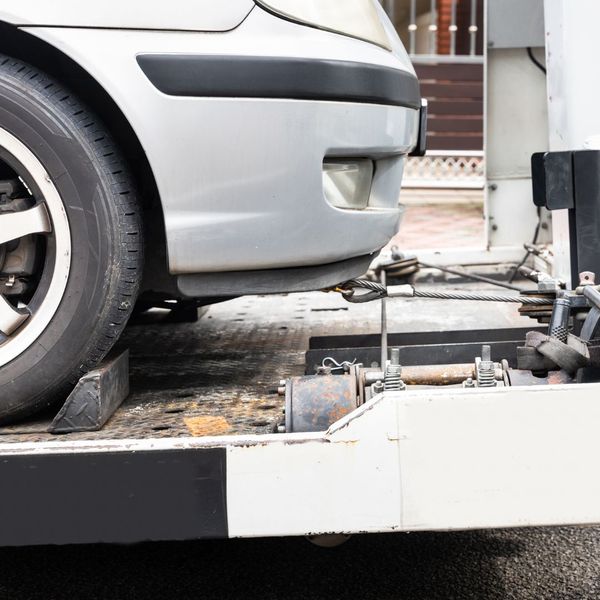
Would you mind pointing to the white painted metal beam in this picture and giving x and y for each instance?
(423, 460)
(428, 460)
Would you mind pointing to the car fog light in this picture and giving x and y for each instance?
(347, 183)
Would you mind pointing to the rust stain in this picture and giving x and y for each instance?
(437, 374)
(337, 412)
(206, 426)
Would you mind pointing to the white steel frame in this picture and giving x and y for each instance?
(408, 461)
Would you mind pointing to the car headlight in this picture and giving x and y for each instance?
(356, 18)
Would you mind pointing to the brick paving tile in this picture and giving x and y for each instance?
(441, 226)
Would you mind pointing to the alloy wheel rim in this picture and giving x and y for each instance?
(34, 215)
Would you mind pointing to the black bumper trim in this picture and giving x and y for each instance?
(282, 78)
(421, 147)
(271, 281)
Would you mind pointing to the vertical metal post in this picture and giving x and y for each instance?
(473, 28)
(412, 27)
(453, 28)
(384, 335)
(433, 28)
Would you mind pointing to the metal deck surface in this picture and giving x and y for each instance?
(219, 376)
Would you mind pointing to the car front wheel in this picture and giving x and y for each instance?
(70, 240)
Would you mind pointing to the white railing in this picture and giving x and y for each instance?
(454, 170)
(432, 27)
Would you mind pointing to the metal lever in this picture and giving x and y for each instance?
(559, 323)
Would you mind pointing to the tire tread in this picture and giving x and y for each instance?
(113, 170)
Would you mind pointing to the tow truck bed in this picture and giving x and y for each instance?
(190, 454)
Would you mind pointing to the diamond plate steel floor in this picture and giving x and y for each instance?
(219, 376)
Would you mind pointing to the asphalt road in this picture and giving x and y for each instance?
(552, 564)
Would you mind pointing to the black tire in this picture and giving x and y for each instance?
(106, 237)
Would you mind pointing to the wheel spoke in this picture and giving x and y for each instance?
(10, 318)
(19, 224)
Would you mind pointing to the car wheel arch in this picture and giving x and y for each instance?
(24, 46)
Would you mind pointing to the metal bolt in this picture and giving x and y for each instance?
(281, 390)
(280, 428)
(395, 356)
(469, 383)
(486, 370)
(282, 382)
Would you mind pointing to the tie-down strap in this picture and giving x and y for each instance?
(571, 357)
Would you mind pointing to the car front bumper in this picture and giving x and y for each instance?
(240, 176)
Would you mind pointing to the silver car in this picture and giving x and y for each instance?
(194, 150)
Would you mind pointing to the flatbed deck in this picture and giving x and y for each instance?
(219, 376)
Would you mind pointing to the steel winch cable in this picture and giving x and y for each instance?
(376, 291)
(481, 297)
(473, 276)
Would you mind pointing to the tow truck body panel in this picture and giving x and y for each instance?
(190, 454)
(509, 457)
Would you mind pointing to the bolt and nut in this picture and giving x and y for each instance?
(377, 387)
